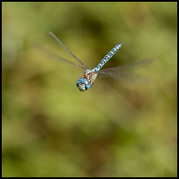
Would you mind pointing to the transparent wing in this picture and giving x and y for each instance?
(54, 56)
(124, 76)
(56, 38)
(118, 69)
(122, 72)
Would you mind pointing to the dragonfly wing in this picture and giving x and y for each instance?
(124, 73)
(125, 67)
(58, 40)
(54, 56)
(125, 77)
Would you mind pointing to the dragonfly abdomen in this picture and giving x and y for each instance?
(107, 57)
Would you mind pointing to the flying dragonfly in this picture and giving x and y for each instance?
(89, 75)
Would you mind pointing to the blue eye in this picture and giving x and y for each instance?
(83, 84)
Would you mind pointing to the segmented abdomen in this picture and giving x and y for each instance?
(107, 57)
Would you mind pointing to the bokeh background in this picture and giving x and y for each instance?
(119, 127)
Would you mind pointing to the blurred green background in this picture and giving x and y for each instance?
(118, 127)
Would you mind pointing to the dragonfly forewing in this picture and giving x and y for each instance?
(57, 57)
(60, 42)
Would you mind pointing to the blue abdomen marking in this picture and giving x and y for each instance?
(107, 57)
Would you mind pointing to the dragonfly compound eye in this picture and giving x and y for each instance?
(83, 84)
(81, 87)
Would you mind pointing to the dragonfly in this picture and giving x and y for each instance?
(89, 76)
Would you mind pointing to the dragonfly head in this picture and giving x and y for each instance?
(83, 84)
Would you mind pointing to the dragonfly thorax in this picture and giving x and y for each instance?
(87, 72)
